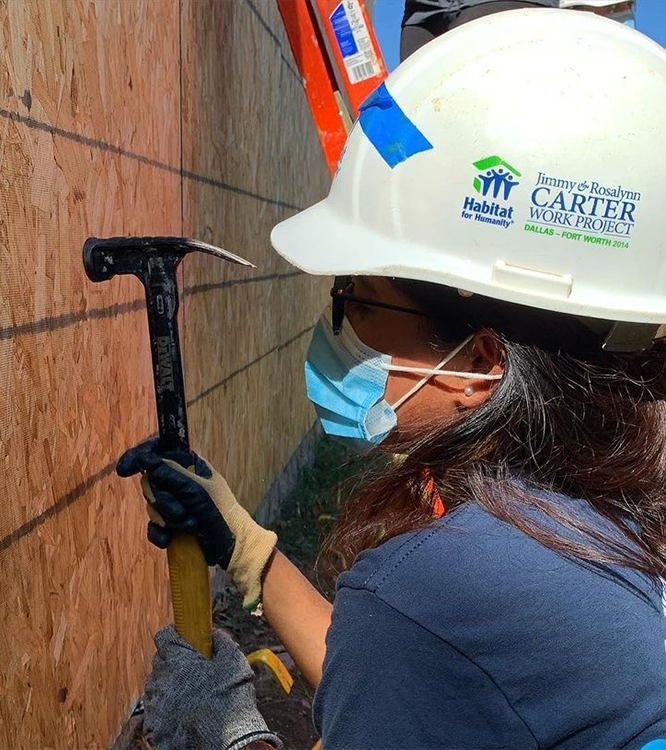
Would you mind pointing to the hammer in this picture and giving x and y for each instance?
(154, 261)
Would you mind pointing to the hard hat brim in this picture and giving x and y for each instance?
(329, 252)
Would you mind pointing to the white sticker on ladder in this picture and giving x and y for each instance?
(354, 42)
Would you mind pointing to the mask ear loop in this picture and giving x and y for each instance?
(432, 373)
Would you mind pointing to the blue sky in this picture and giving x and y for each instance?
(387, 15)
(650, 19)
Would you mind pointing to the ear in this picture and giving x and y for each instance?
(488, 357)
(488, 353)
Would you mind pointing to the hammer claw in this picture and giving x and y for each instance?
(204, 247)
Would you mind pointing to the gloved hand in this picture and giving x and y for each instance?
(202, 504)
(194, 702)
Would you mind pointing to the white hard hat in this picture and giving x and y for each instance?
(521, 156)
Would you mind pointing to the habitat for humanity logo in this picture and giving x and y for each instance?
(494, 181)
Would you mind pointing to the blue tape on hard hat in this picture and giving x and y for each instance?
(390, 131)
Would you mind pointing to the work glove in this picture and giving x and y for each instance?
(207, 704)
(200, 502)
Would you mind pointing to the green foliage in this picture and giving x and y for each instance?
(311, 508)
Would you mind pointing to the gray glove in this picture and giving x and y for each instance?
(193, 703)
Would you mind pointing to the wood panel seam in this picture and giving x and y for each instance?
(180, 110)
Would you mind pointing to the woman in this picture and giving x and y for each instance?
(500, 584)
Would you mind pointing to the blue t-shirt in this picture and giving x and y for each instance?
(470, 634)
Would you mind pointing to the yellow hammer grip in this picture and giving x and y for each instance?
(190, 593)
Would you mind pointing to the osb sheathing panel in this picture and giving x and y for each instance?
(90, 143)
(246, 123)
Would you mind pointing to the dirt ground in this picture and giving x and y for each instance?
(307, 515)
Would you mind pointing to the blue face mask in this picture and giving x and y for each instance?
(346, 382)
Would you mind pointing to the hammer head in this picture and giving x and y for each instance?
(105, 258)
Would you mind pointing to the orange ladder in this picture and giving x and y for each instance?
(339, 59)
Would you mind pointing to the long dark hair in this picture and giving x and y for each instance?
(566, 417)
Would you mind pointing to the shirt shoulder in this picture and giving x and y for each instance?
(468, 550)
(540, 625)
(475, 559)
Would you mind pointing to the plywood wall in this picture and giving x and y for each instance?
(246, 124)
(120, 117)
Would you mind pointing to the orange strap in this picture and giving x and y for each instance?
(438, 509)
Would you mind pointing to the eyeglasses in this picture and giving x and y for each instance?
(343, 291)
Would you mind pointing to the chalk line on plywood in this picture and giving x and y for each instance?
(231, 376)
(83, 487)
(274, 37)
(58, 322)
(84, 140)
